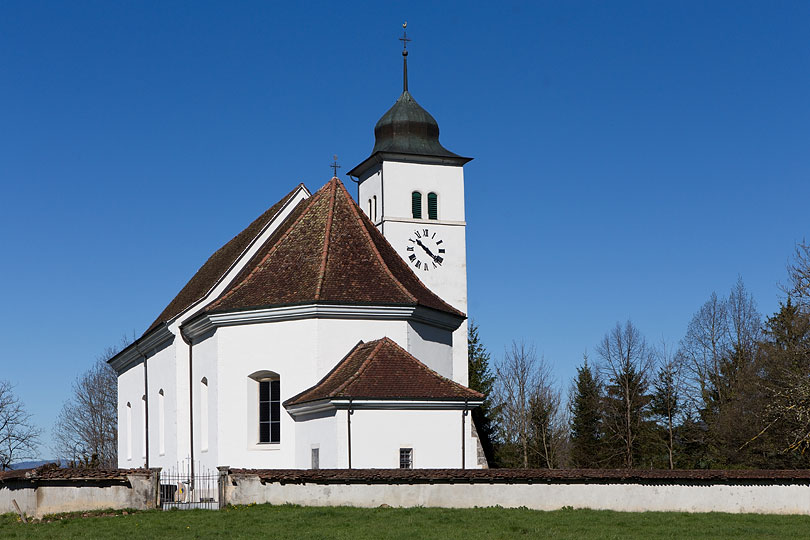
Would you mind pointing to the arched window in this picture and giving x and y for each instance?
(143, 426)
(433, 206)
(370, 216)
(161, 422)
(129, 430)
(416, 205)
(375, 209)
(204, 415)
(269, 406)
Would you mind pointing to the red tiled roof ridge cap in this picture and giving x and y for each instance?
(360, 217)
(327, 237)
(282, 203)
(425, 367)
(377, 344)
(231, 290)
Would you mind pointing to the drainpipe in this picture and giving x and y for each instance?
(464, 437)
(190, 405)
(145, 403)
(349, 413)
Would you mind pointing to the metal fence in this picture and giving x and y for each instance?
(189, 485)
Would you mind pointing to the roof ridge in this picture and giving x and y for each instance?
(264, 228)
(362, 367)
(380, 259)
(190, 294)
(326, 240)
(272, 250)
(424, 366)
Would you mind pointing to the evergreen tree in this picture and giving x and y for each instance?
(785, 375)
(586, 419)
(482, 380)
(665, 407)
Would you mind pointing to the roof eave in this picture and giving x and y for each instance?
(146, 345)
(395, 403)
(204, 321)
(380, 156)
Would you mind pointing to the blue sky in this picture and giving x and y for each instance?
(630, 158)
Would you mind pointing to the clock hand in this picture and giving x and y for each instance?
(430, 253)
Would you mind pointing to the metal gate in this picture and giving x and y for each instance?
(189, 485)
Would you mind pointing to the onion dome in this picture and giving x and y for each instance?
(407, 128)
(407, 132)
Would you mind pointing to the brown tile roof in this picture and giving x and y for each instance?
(381, 369)
(218, 264)
(327, 251)
(51, 472)
(527, 476)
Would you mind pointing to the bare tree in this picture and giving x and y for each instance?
(745, 322)
(704, 345)
(546, 427)
(18, 436)
(627, 363)
(798, 286)
(86, 429)
(666, 404)
(528, 404)
(722, 332)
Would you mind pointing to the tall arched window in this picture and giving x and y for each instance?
(143, 426)
(161, 422)
(204, 415)
(416, 205)
(375, 209)
(269, 406)
(433, 206)
(129, 430)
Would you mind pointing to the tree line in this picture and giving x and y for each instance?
(733, 393)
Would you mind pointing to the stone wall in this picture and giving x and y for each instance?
(767, 492)
(49, 491)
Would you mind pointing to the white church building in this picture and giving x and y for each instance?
(330, 333)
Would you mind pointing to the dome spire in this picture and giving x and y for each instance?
(404, 39)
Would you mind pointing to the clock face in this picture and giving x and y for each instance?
(425, 250)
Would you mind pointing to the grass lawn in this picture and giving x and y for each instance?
(264, 521)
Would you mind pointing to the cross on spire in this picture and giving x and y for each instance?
(334, 166)
(404, 39)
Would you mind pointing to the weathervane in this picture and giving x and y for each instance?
(404, 39)
(335, 166)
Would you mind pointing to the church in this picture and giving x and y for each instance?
(330, 333)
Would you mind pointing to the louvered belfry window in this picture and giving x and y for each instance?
(416, 205)
(433, 206)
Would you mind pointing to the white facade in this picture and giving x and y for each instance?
(389, 186)
(191, 387)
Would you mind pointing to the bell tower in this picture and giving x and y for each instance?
(412, 188)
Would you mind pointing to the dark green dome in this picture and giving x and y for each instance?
(407, 128)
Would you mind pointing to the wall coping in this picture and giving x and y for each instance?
(525, 476)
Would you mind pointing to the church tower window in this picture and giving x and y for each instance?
(433, 206)
(270, 411)
(416, 205)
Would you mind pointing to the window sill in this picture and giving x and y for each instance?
(263, 447)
